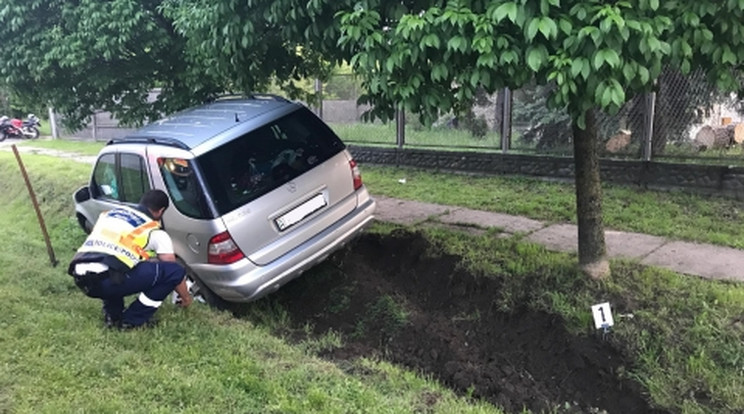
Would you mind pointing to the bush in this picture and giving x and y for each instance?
(476, 125)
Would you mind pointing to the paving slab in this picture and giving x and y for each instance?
(405, 211)
(558, 237)
(714, 262)
(631, 245)
(565, 238)
(506, 222)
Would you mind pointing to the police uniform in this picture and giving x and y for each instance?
(112, 264)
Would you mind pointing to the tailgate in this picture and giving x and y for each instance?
(286, 217)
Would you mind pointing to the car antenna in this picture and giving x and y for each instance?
(236, 117)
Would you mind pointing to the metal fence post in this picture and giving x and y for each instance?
(319, 93)
(649, 126)
(400, 127)
(506, 121)
(53, 123)
(95, 127)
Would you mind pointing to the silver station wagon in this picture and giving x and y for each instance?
(261, 190)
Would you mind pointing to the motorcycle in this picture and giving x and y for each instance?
(16, 128)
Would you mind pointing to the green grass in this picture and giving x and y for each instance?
(673, 214)
(56, 357)
(686, 335)
(358, 133)
(46, 128)
(689, 154)
(79, 147)
(387, 316)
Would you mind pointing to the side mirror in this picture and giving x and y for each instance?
(82, 194)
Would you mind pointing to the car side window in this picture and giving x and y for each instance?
(105, 183)
(183, 187)
(134, 179)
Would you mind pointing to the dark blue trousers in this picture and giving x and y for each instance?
(154, 281)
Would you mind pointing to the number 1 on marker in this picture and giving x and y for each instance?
(602, 315)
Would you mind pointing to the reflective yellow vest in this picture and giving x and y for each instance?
(122, 233)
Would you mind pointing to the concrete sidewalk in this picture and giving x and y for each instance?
(708, 261)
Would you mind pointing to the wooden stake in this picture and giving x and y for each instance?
(50, 250)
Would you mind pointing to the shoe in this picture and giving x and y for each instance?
(110, 322)
(126, 326)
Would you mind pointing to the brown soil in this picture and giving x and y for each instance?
(392, 301)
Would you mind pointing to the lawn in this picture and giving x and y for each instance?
(686, 335)
(672, 214)
(56, 357)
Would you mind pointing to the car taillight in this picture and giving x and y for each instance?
(223, 250)
(355, 174)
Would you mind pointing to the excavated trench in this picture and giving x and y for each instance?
(392, 301)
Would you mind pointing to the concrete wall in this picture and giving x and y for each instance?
(343, 112)
(724, 180)
(101, 128)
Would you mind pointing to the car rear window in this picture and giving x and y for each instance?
(254, 164)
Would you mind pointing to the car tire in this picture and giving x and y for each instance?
(84, 223)
(202, 293)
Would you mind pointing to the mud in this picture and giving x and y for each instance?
(391, 300)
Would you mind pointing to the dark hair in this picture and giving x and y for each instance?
(155, 200)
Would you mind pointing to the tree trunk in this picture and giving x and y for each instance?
(592, 250)
(498, 119)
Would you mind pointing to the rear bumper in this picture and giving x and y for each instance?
(244, 281)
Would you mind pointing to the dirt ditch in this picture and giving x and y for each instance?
(391, 301)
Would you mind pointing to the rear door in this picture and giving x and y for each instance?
(119, 177)
(281, 184)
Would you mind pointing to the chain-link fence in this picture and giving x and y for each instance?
(685, 118)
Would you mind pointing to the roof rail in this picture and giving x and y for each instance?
(266, 96)
(148, 140)
(269, 96)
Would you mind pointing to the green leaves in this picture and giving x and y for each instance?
(544, 25)
(609, 93)
(537, 57)
(430, 40)
(593, 51)
(727, 56)
(439, 72)
(606, 56)
(580, 66)
(508, 9)
(458, 43)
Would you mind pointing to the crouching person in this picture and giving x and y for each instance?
(114, 263)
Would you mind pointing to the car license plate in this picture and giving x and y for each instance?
(297, 214)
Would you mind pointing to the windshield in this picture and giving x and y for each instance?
(254, 164)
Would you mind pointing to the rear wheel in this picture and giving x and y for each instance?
(31, 132)
(3, 135)
(201, 293)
